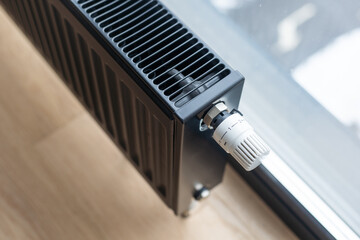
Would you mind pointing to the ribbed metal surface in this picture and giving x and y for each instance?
(167, 54)
(140, 132)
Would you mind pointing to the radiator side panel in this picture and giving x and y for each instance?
(200, 159)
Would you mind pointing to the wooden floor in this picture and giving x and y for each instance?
(62, 178)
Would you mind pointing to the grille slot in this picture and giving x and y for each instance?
(149, 10)
(182, 44)
(163, 75)
(149, 34)
(175, 40)
(161, 48)
(126, 22)
(89, 4)
(179, 84)
(108, 17)
(175, 75)
(122, 15)
(98, 7)
(103, 9)
(176, 61)
(143, 28)
(150, 40)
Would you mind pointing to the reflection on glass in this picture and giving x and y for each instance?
(317, 41)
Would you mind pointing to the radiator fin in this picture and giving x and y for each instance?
(62, 46)
(101, 80)
(43, 31)
(23, 18)
(75, 60)
(116, 115)
(128, 101)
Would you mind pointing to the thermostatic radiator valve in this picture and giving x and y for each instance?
(236, 136)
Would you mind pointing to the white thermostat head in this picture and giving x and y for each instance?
(238, 138)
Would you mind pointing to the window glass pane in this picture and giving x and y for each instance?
(318, 42)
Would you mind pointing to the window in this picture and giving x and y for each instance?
(301, 64)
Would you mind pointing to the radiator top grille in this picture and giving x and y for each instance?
(168, 56)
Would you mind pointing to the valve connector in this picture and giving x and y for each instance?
(237, 137)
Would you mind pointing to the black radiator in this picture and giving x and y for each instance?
(145, 77)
